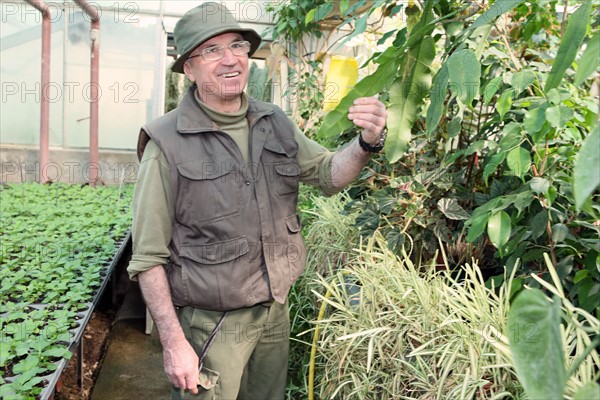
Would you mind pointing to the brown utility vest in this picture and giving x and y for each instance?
(236, 236)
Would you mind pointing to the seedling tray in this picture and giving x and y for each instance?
(60, 246)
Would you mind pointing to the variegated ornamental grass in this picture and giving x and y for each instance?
(411, 332)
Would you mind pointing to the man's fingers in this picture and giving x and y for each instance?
(367, 109)
(181, 365)
(192, 384)
(178, 381)
(366, 100)
(368, 121)
(370, 114)
(368, 125)
(186, 382)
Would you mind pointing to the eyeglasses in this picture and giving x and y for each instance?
(217, 52)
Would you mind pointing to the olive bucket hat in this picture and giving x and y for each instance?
(203, 22)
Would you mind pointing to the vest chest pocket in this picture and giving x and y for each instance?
(208, 190)
(283, 171)
(288, 178)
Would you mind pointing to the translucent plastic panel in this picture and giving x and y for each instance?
(132, 48)
(130, 62)
(249, 13)
(20, 75)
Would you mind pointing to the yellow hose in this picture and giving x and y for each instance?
(313, 351)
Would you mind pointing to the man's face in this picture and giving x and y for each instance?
(222, 81)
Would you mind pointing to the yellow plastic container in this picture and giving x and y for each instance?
(340, 79)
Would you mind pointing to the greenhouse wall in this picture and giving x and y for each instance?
(133, 61)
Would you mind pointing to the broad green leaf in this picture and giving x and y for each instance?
(386, 36)
(22, 348)
(541, 136)
(359, 27)
(281, 27)
(515, 287)
(580, 275)
(499, 228)
(28, 364)
(589, 61)
(536, 345)
(310, 15)
(539, 185)
(559, 233)
(406, 97)
(504, 103)
(454, 127)
(534, 119)
(521, 200)
(408, 90)
(356, 6)
(424, 27)
(589, 295)
(477, 226)
(475, 147)
(491, 89)
(588, 391)
(492, 165)
(57, 352)
(586, 173)
(539, 224)
(519, 161)
(464, 73)
(7, 391)
(5, 353)
(553, 96)
(344, 6)
(512, 136)
(569, 44)
(451, 209)
(522, 80)
(336, 121)
(438, 97)
(322, 11)
(400, 39)
(497, 9)
(559, 115)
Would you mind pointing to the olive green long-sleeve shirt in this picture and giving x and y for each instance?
(153, 202)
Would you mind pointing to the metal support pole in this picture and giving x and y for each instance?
(94, 86)
(94, 109)
(44, 156)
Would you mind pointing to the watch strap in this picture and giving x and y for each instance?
(376, 148)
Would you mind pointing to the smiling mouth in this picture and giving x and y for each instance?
(230, 75)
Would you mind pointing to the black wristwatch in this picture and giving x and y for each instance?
(376, 148)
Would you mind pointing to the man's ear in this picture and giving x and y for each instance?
(188, 71)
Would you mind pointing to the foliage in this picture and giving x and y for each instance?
(292, 24)
(491, 155)
(396, 330)
(410, 333)
(291, 29)
(330, 237)
(173, 90)
(259, 84)
(176, 84)
(538, 348)
(490, 109)
(56, 242)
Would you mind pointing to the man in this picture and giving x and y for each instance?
(217, 241)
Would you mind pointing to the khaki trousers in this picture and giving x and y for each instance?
(249, 356)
